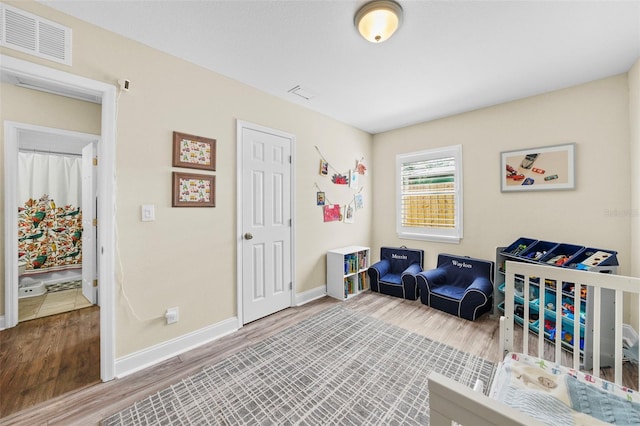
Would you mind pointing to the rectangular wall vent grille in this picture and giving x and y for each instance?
(32, 34)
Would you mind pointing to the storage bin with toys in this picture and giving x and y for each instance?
(542, 309)
(562, 254)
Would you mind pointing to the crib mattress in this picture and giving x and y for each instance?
(558, 395)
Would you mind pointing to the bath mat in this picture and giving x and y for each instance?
(338, 367)
(70, 285)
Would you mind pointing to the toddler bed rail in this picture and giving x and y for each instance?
(598, 318)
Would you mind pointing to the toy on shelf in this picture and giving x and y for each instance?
(519, 311)
(550, 328)
(551, 284)
(536, 255)
(558, 260)
(519, 249)
(568, 310)
(567, 337)
(595, 259)
(570, 289)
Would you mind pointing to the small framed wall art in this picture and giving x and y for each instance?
(194, 152)
(538, 169)
(193, 190)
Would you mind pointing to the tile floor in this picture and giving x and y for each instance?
(50, 304)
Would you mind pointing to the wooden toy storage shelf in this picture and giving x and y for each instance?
(542, 306)
(347, 271)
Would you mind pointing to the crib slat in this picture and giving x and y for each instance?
(558, 339)
(541, 318)
(507, 344)
(525, 318)
(542, 302)
(597, 305)
(638, 328)
(618, 337)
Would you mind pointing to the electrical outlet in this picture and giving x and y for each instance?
(171, 315)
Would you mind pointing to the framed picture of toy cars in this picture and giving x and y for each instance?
(538, 169)
(195, 152)
(193, 190)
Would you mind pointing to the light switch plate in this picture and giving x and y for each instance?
(148, 212)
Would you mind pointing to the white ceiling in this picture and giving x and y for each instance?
(448, 57)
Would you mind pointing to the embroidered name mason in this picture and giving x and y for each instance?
(399, 256)
(461, 264)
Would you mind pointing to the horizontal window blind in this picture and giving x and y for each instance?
(428, 198)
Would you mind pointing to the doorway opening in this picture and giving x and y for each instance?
(56, 199)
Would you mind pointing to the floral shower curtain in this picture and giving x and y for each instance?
(50, 211)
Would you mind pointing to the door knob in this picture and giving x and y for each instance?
(248, 236)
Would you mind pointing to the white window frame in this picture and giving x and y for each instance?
(448, 235)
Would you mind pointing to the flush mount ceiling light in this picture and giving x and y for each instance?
(378, 20)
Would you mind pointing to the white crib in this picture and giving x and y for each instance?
(450, 401)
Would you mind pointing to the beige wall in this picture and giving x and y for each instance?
(187, 257)
(634, 213)
(595, 116)
(634, 131)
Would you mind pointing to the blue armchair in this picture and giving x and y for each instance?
(459, 285)
(395, 273)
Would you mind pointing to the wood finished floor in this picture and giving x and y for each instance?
(91, 404)
(46, 357)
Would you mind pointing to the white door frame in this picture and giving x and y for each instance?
(89, 227)
(106, 203)
(240, 125)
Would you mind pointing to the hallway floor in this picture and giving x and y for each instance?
(47, 357)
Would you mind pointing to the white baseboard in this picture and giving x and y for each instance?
(2, 323)
(154, 354)
(309, 295)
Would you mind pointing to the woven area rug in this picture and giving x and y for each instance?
(69, 285)
(339, 367)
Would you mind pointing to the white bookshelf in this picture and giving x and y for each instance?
(347, 271)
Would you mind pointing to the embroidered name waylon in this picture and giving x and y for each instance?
(461, 264)
(399, 256)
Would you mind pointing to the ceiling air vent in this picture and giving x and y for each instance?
(32, 34)
(303, 93)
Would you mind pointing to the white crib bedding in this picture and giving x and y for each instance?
(558, 395)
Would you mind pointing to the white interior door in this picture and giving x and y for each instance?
(89, 273)
(266, 217)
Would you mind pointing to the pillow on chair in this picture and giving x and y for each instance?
(460, 285)
(395, 273)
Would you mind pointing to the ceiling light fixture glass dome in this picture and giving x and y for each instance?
(378, 20)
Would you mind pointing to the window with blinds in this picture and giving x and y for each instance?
(430, 194)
